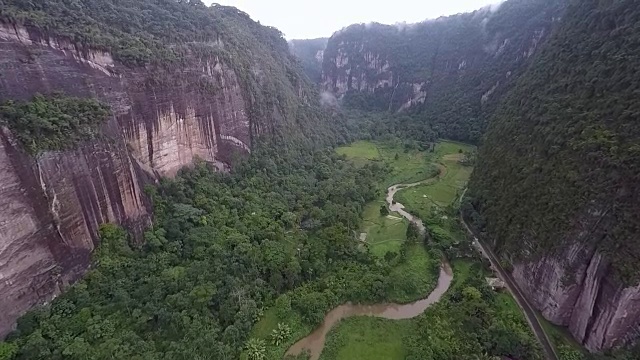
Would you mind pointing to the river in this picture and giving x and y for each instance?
(314, 342)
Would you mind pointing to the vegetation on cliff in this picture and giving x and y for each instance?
(162, 38)
(565, 143)
(53, 122)
(310, 54)
(140, 32)
(461, 63)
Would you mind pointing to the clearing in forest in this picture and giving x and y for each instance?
(430, 200)
(372, 338)
(406, 165)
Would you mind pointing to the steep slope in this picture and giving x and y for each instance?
(558, 179)
(450, 72)
(310, 53)
(180, 80)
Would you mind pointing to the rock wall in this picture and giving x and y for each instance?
(168, 116)
(576, 289)
(53, 204)
(51, 211)
(464, 60)
(598, 311)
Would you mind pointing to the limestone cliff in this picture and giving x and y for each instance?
(556, 185)
(449, 70)
(167, 117)
(164, 116)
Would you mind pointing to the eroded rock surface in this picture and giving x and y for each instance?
(54, 203)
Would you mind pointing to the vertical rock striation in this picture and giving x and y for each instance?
(556, 184)
(52, 208)
(448, 70)
(53, 204)
(168, 116)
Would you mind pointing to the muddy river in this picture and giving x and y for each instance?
(314, 342)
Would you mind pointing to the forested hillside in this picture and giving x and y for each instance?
(223, 247)
(557, 181)
(99, 99)
(448, 73)
(169, 36)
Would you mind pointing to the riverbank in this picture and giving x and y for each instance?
(314, 343)
(473, 320)
(343, 342)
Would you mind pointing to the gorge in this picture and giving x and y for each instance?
(177, 163)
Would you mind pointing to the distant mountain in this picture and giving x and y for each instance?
(450, 72)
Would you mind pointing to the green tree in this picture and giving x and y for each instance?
(384, 211)
(8, 351)
(256, 349)
(281, 334)
(283, 306)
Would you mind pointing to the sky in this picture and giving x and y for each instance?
(307, 19)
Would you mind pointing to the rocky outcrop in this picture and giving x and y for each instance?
(459, 61)
(51, 211)
(574, 286)
(168, 116)
(367, 74)
(599, 311)
(53, 204)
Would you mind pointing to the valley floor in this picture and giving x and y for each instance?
(450, 329)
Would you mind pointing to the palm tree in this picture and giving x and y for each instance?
(281, 334)
(256, 349)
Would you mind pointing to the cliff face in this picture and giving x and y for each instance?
(163, 118)
(167, 117)
(51, 210)
(447, 70)
(311, 54)
(575, 287)
(557, 179)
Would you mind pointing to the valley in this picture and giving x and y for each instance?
(353, 331)
(182, 182)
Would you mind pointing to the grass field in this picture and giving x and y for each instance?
(384, 233)
(371, 338)
(406, 167)
(425, 199)
(367, 338)
(416, 277)
(360, 151)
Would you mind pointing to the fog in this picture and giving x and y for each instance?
(303, 19)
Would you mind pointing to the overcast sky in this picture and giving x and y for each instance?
(306, 19)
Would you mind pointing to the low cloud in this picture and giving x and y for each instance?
(495, 7)
(328, 99)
